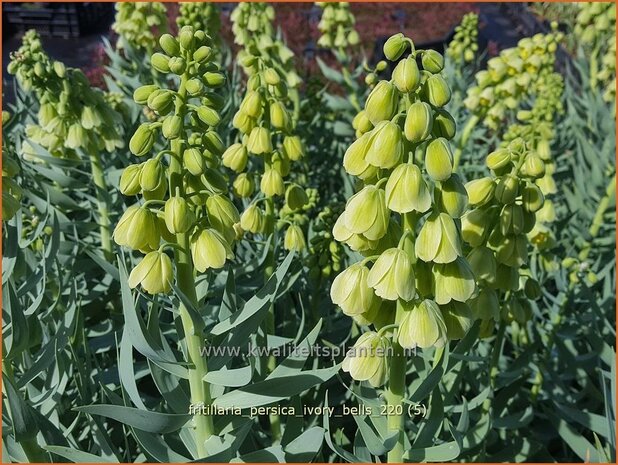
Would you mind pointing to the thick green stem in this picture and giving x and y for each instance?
(102, 204)
(395, 395)
(200, 390)
(465, 135)
(597, 221)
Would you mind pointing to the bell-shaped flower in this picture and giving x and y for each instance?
(438, 240)
(366, 213)
(351, 292)
(392, 275)
(354, 159)
(422, 326)
(368, 359)
(154, 272)
(453, 281)
(406, 190)
(386, 147)
(209, 249)
(458, 319)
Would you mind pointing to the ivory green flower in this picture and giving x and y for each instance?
(406, 190)
(366, 213)
(422, 326)
(392, 275)
(209, 249)
(438, 240)
(154, 273)
(367, 360)
(351, 292)
(453, 281)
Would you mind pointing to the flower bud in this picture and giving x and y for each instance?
(432, 61)
(452, 197)
(351, 292)
(498, 159)
(392, 275)
(382, 102)
(422, 326)
(244, 186)
(222, 215)
(294, 238)
(395, 46)
(252, 104)
(543, 150)
(437, 90)
(271, 76)
(137, 229)
(151, 175)
(272, 183)
(406, 75)
(186, 37)
(443, 124)
(178, 215)
(367, 360)
(208, 115)
(507, 189)
(161, 101)
(129, 180)
(458, 319)
(252, 219)
(280, 163)
(193, 161)
(259, 141)
(438, 240)
(354, 159)
(293, 148)
(296, 197)
(532, 198)
(366, 213)
(279, 116)
(172, 127)
(533, 167)
(142, 141)
(214, 79)
(169, 45)
(194, 87)
(209, 249)
(160, 62)
(406, 190)
(453, 281)
(154, 272)
(59, 69)
(386, 148)
(235, 157)
(532, 289)
(480, 191)
(361, 122)
(511, 220)
(202, 54)
(439, 159)
(419, 122)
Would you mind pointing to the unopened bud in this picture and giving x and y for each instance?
(419, 122)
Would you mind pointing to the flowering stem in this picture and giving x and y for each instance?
(200, 390)
(96, 168)
(395, 393)
(465, 135)
(597, 221)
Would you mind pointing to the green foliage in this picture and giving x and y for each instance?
(103, 363)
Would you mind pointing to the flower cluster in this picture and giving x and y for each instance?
(137, 22)
(186, 206)
(266, 123)
(512, 77)
(202, 16)
(405, 217)
(504, 206)
(535, 128)
(337, 26)
(11, 191)
(72, 115)
(596, 28)
(464, 46)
